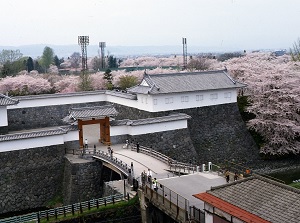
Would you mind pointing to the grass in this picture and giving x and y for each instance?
(296, 185)
(117, 206)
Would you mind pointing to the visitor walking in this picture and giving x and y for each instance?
(86, 145)
(227, 176)
(154, 183)
(149, 175)
(137, 147)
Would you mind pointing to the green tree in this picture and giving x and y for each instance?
(85, 83)
(109, 78)
(12, 68)
(38, 67)
(295, 51)
(112, 62)
(29, 64)
(58, 61)
(47, 58)
(127, 81)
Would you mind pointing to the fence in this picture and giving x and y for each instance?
(197, 215)
(113, 160)
(169, 201)
(74, 209)
(174, 165)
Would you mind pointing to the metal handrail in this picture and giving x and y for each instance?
(166, 159)
(124, 167)
(73, 208)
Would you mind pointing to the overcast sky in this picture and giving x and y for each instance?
(245, 24)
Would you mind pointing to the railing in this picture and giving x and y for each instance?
(73, 209)
(197, 215)
(174, 165)
(113, 160)
(169, 201)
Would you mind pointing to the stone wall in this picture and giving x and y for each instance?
(30, 178)
(220, 134)
(3, 130)
(215, 134)
(82, 180)
(176, 144)
(40, 117)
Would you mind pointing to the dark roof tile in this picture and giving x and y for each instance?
(185, 82)
(266, 198)
(5, 100)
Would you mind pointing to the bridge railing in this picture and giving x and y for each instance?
(169, 201)
(114, 160)
(174, 165)
(74, 209)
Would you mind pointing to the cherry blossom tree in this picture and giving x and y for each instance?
(24, 85)
(273, 92)
(67, 84)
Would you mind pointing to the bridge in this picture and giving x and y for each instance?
(126, 161)
(177, 181)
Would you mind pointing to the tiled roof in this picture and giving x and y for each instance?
(5, 100)
(58, 95)
(122, 94)
(32, 134)
(229, 208)
(185, 82)
(172, 117)
(92, 112)
(263, 197)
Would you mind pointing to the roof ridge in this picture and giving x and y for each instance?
(191, 73)
(285, 186)
(232, 183)
(93, 107)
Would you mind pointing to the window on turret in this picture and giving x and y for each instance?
(227, 95)
(169, 100)
(214, 96)
(184, 98)
(199, 97)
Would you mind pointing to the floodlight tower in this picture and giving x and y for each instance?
(83, 41)
(102, 46)
(184, 53)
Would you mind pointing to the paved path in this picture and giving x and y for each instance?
(141, 162)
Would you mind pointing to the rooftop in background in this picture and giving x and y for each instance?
(185, 82)
(268, 199)
(5, 100)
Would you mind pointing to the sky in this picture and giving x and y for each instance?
(243, 24)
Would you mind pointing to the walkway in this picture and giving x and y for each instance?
(141, 162)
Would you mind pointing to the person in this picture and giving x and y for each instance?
(143, 177)
(111, 153)
(154, 183)
(137, 147)
(235, 178)
(86, 143)
(227, 176)
(149, 175)
(109, 150)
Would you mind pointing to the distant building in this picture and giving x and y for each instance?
(278, 53)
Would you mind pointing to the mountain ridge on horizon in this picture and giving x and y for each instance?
(36, 50)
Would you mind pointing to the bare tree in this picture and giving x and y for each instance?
(295, 51)
(75, 60)
(200, 63)
(10, 56)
